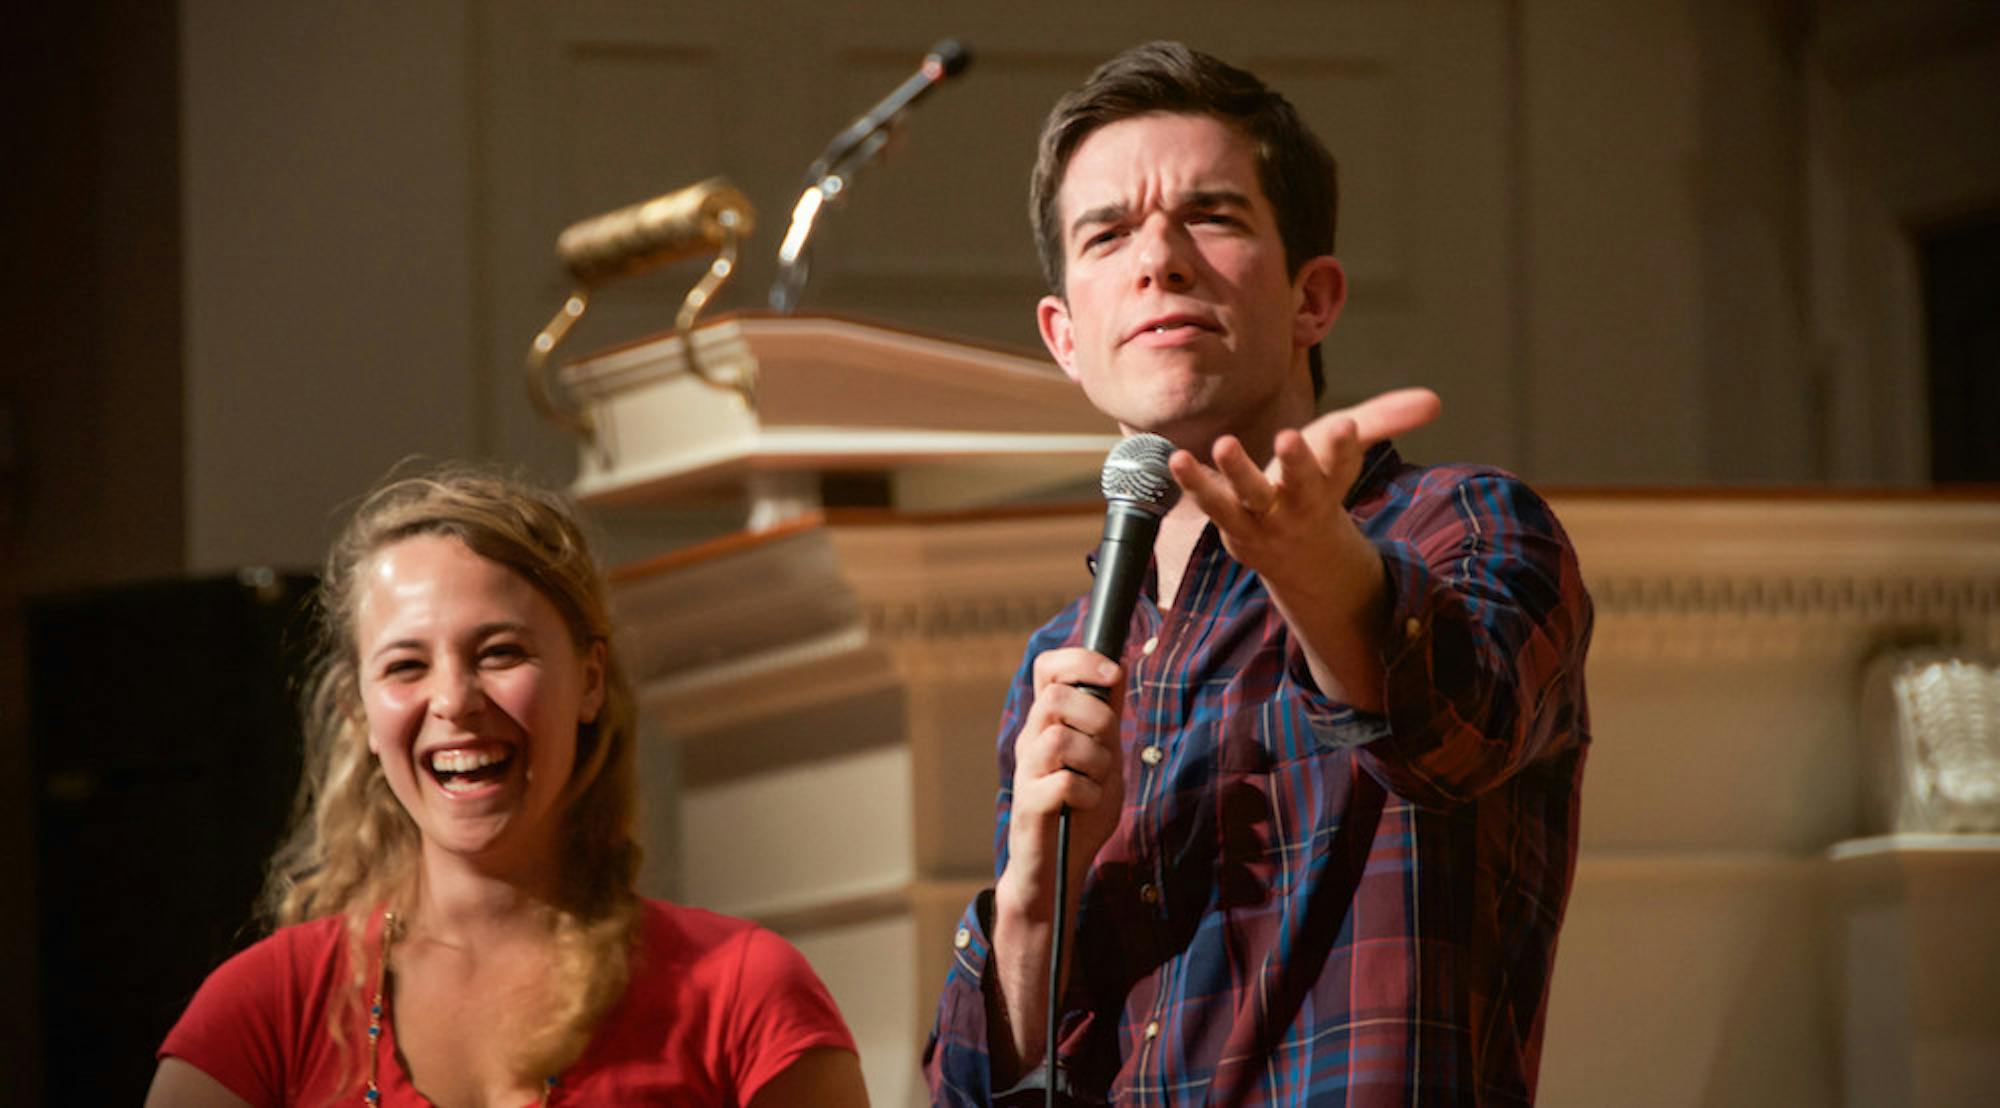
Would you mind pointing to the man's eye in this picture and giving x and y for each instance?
(1099, 239)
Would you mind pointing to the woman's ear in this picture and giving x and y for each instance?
(592, 701)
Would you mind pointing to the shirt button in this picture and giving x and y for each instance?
(1152, 755)
(1150, 893)
(1152, 644)
(1152, 1029)
(963, 939)
(1412, 628)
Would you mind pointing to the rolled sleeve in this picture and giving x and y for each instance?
(1482, 655)
(957, 1063)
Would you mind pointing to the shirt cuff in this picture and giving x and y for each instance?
(957, 1061)
(1337, 725)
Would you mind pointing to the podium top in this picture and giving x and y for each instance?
(819, 393)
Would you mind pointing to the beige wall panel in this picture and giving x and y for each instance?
(1691, 981)
(328, 262)
(1917, 959)
(801, 833)
(1613, 264)
(1721, 753)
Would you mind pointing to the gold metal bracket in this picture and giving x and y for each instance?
(632, 240)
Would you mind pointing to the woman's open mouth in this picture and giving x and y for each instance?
(463, 769)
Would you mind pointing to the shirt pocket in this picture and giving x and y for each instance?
(1281, 788)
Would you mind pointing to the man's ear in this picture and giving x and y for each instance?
(1052, 317)
(1320, 291)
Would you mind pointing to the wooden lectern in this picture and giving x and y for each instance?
(828, 680)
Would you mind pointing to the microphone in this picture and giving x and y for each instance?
(1138, 490)
(948, 58)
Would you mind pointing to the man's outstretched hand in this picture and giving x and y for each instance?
(1288, 521)
(1304, 484)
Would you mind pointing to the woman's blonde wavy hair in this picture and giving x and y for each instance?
(353, 850)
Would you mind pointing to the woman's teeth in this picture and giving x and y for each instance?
(465, 769)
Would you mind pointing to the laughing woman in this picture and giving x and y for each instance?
(456, 921)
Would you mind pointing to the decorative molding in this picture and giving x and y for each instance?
(1734, 577)
(933, 619)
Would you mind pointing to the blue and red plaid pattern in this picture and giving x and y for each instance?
(1308, 904)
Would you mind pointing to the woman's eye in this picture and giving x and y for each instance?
(403, 668)
(502, 654)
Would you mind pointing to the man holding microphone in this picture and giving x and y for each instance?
(1325, 825)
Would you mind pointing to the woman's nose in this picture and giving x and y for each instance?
(455, 691)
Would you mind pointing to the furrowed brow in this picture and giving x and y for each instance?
(1211, 199)
(1097, 217)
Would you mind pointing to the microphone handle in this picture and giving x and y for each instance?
(1122, 557)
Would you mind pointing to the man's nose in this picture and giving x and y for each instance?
(1164, 254)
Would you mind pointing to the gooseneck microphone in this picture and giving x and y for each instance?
(1139, 490)
(947, 58)
(855, 146)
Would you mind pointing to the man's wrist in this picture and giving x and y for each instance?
(1020, 909)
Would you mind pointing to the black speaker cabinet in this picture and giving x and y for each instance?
(166, 755)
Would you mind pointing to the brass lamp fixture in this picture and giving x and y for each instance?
(712, 215)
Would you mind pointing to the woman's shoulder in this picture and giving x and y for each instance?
(258, 1020)
(290, 956)
(724, 954)
(700, 942)
(691, 925)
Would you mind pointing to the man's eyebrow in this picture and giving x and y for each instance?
(1193, 200)
(1108, 213)
(1202, 199)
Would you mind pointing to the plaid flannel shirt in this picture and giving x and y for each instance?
(1304, 903)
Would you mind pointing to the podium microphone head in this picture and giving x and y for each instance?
(948, 58)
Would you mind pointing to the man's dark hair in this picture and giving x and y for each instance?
(1293, 167)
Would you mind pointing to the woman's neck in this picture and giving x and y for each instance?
(461, 903)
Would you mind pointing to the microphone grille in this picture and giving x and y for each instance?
(1136, 472)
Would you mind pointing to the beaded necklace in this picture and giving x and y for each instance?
(373, 1096)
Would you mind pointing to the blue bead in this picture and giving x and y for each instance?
(374, 1096)
(375, 1009)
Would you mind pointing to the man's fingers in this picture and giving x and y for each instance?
(1211, 491)
(1058, 791)
(1066, 749)
(1253, 490)
(1385, 416)
(1073, 665)
(1298, 467)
